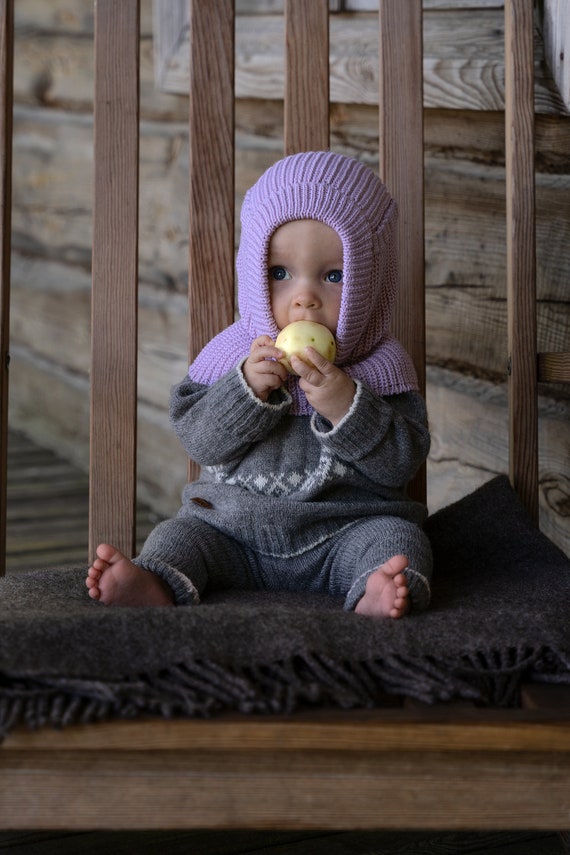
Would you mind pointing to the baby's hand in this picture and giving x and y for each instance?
(261, 370)
(328, 388)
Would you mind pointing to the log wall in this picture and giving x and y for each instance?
(465, 233)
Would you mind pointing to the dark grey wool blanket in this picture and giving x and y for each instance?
(499, 616)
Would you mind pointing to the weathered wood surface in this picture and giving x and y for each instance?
(521, 254)
(470, 439)
(465, 72)
(114, 292)
(211, 173)
(47, 519)
(304, 768)
(306, 112)
(465, 259)
(462, 72)
(556, 28)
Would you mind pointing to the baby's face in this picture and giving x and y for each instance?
(305, 270)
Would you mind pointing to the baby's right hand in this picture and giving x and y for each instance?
(263, 373)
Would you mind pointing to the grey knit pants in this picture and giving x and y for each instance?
(193, 557)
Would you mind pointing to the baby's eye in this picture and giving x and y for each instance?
(334, 276)
(279, 273)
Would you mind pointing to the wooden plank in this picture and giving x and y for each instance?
(211, 224)
(48, 509)
(440, 728)
(307, 59)
(465, 72)
(284, 790)
(211, 174)
(401, 164)
(554, 367)
(557, 44)
(6, 107)
(521, 252)
(115, 275)
(401, 168)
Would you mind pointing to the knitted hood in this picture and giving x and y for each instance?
(347, 196)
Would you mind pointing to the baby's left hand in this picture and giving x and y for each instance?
(329, 390)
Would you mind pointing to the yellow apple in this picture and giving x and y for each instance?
(295, 337)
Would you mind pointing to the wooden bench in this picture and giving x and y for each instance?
(402, 766)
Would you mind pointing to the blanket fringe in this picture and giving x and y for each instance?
(204, 689)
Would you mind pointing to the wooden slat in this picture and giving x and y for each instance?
(115, 273)
(211, 142)
(449, 730)
(6, 77)
(401, 167)
(521, 252)
(554, 367)
(306, 108)
(211, 174)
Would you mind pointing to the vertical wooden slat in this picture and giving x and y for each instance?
(402, 169)
(211, 164)
(306, 108)
(521, 258)
(6, 89)
(115, 272)
(211, 168)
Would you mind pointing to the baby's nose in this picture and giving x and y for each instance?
(307, 298)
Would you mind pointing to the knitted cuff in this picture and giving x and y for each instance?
(183, 591)
(418, 586)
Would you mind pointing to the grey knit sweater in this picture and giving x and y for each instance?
(280, 483)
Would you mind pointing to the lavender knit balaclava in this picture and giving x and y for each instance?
(347, 196)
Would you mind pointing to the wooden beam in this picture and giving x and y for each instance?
(211, 156)
(6, 98)
(277, 773)
(402, 169)
(115, 276)
(211, 174)
(465, 72)
(306, 76)
(521, 251)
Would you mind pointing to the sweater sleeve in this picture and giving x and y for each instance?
(385, 438)
(218, 423)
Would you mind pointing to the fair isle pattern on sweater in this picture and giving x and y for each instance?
(271, 483)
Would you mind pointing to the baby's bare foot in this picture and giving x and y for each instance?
(116, 581)
(386, 593)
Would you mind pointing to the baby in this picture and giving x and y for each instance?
(303, 481)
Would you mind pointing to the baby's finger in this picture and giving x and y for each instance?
(266, 352)
(271, 366)
(319, 361)
(307, 371)
(262, 341)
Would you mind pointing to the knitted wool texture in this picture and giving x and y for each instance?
(347, 196)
